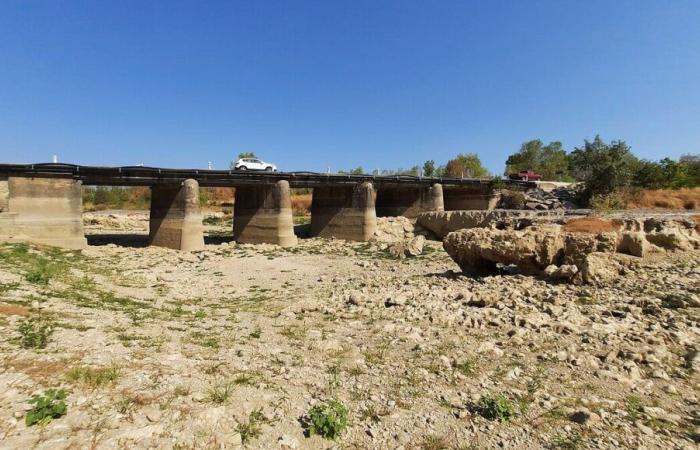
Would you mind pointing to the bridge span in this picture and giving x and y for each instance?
(42, 203)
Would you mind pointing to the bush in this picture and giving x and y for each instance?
(35, 332)
(609, 202)
(328, 419)
(512, 200)
(496, 407)
(46, 407)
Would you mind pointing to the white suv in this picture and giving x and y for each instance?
(254, 164)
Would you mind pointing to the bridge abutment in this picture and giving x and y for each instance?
(46, 211)
(470, 197)
(263, 214)
(344, 212)
(176, 217)
(408, 202)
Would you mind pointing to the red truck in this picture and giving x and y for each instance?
(525, 175)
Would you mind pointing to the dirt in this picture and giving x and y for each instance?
(162, 349)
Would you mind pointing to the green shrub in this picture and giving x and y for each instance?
(46, 407)
(512, 199)
(35, 332)
(328, 419)
(93, 377)
(250, 429)
(496, 407)
(609, 202)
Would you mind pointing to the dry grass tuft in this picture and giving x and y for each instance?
(14, 310)
(591, 225)
(688, 198)
(301, 203)
(39, 370)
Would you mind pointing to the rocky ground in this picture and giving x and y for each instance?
(233, 345)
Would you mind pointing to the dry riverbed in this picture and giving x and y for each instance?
(234, 345)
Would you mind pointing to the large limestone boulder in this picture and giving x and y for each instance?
(480, 249)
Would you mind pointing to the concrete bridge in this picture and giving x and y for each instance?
(42, 203)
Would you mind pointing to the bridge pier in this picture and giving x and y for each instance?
(46, 211)
(344, 212)
(263, 214)
(176, 217)
(468, 197)
(409, 202)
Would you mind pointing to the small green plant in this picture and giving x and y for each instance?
(571, 441)
(634, 407)
(93, 377)
(220, 392)
(328, 419)
(35, 332)
(496, 407)
(466, 367)
(46, 407)
(250, 429)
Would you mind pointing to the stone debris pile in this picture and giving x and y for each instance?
(560, 198)
(553, 251)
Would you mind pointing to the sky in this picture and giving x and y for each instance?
(312, 85)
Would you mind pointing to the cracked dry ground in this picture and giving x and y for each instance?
(160, 349)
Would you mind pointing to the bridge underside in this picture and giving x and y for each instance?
(49, 210)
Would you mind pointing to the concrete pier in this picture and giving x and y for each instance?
(344, 212)
(409, 202)
(176, 217)
(44, 211)
(263, 214)
(470, 198)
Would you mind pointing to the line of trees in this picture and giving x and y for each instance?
(604, 167)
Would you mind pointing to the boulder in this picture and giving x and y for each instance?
(633, 243)
(414, 247)
(479, 249)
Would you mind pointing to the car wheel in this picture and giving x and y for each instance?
(243, 168)
(268, 168)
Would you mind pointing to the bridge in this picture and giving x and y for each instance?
(42, 203)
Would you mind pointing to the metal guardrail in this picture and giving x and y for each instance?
(147, 176)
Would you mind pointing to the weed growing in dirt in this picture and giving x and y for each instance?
(220, 392)
(93, 377)
(571, 441)
(46, 407)
(434, 442)
(496, 407)
(328, 419)
(634, 407)
(35, 332)
(250, 429)
(467, 367)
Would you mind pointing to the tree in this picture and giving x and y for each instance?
(241, 156)
(429, 168)
(692, 168)
(603, 167)
(549, 160)
(466, 165)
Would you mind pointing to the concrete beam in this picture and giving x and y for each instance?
(176, 217)
(46, 211)
(344, 212)
(470, 198)
(408, 202)
(263, 214)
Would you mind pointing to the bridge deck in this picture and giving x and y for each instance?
(149, 176)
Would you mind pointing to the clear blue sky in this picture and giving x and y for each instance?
(311, 84)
